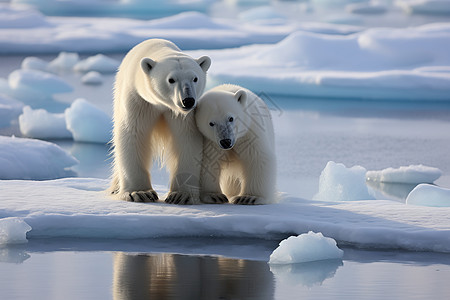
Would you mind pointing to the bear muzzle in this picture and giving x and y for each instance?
(226, 144)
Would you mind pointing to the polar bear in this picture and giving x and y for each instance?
(238, 148)
(156, 87)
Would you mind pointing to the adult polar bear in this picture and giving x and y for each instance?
(239, 147)
(156, 87)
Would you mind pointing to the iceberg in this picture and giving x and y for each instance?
(413, 174)
(10, 109)
(13, 231)
(41, 124)
(429, 195)
(339, 183)
(306, 247)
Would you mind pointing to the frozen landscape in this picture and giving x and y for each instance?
(360, 98)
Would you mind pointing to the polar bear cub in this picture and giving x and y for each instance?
(238, 148)
(156, 87)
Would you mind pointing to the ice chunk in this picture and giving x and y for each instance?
(41, 124)
(34, 63)
(13, 231)
(64, 62)
(38, 81)
(306, 247)
(10, 109)
(339, 183)
(99, 63)
(22, 158)
(88, 123)
(413, 174)
(93, 77)
(429, 195)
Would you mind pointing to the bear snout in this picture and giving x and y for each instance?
(188, 102)
(225, 144)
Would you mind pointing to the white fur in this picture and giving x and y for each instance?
(150, 118)
(245, 173)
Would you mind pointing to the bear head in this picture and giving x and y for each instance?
(177, 82)
(221, 117)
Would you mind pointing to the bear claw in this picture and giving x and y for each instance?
(214, 198)
(179, 198)
(142, 196)
(246, 200)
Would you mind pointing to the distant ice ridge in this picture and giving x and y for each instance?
(438, 7)
(379, 63)
(80, 208)
(13, 231)
(306, 247)
(33, 160)
(429, 195)
(413, 174)
(339, 183)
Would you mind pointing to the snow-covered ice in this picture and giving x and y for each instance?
(13, 231)
(99, 63)
(88, 123)
(339, 183)
(438, 7)
(92, 77)
(79, 208)
(40, 124)
(31, 159)
(429, 195)
(65, 61)
(378, 63)
(306, 247)
(413, 174)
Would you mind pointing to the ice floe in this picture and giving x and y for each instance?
(429, 195)
(413, 174)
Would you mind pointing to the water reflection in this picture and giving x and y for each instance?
(173, 276)
(394, 191)
(306, 274)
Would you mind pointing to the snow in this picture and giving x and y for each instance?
(429, 195)
(99, 63)
(339, 183)
(41, 124)
(80, 208)
(92, 77)
(31, 159)
(306, 247)
(413, 174)
(379, 63)
(13, 231)
(88, 123)
(10, 109)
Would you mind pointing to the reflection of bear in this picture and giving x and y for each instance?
(239, 150)
(156, 86)
(171, 276)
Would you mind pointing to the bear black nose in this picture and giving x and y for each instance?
(188, 102)
(225, 143)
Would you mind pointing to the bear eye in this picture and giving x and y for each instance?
(195, 79)
(171, 80)
(211, 124)
(230, 119)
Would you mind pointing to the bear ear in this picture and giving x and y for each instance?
(241, 96)
(147, 64)
(204, 62)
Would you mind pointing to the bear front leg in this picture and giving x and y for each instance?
(210, 191)
(132, 156)
(258, 184)
(185, 161)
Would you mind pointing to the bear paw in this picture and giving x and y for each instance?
(141, 196)
(183, 198)
(214, 198)
(247, 200)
